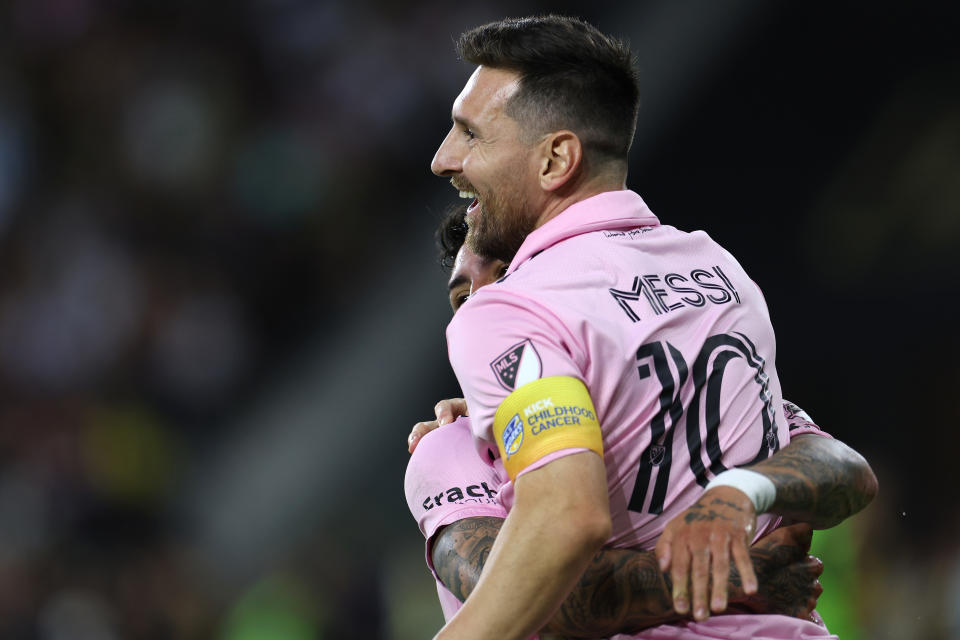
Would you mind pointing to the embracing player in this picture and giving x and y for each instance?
(605, 317)
(451, 492)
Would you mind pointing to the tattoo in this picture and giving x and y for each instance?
(726, 503)
(819, 480)
(695, 513)
(460, 550)
(623, 590)
(786, 580)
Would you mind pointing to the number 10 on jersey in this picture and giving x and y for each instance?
(701, 415)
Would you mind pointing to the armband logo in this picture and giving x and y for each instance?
(517, 366)
(513, 435)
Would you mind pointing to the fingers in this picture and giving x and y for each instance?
(804, 535)
(741, 559)
(419, 430)
(449, 410)
(679, 575)
(721, 575)
(699, 575)
(662, 550)
(446, 411)
(816, 565)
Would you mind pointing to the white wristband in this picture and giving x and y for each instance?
(758, 487)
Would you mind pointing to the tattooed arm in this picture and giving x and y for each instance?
(623, 590)
(820, 481)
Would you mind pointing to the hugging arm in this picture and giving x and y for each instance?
(624, 591)
(818, 480)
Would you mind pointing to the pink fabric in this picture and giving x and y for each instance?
(447, 481)
(666, 330)
(446, 458)
(738, 627)
(800, 421)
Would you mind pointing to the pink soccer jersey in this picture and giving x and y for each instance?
(670, 336)
(447, 481)
(445, 465)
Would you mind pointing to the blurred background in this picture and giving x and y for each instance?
(221, 311)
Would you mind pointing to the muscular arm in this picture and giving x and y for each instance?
(623, 590)
(560, 518)
(819, 480)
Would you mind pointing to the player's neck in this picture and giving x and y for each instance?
(557, 203)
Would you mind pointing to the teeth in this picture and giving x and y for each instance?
(468, 194)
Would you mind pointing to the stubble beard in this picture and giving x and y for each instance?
(500, 228)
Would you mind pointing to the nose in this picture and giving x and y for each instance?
(447, 159)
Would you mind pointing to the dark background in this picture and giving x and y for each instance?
(220, 311)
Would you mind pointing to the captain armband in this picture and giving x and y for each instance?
(543, 416)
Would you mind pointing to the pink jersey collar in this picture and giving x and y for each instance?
(611, 210)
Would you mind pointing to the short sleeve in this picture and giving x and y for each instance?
(799, 421)
(501, 344)
(446, 480)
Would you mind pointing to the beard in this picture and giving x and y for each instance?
(500, 228)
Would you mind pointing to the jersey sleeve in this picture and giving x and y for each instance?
(446, 481)
(519, 369)
(799, 421)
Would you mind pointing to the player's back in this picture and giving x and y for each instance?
(675, 345)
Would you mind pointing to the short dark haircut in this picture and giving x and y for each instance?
(451, 235)
(572, 76)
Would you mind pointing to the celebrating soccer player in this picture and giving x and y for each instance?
(621, 365)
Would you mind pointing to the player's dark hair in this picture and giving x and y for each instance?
(451, 235)
(572, 76)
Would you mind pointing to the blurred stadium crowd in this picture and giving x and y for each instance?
(197, 196)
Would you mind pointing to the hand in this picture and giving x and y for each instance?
(446, 411)
(700, 542)
(788, 577)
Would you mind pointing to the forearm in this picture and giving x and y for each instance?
(819, 480)
(621, 590)
(542, 550)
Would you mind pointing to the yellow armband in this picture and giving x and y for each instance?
(544, 416)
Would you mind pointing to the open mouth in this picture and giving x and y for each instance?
(473, 205)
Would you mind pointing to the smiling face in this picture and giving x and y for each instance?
(485, 159)
(470, 274)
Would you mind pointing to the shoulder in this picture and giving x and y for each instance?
(447, 479)
(500, 315)
(445, 452)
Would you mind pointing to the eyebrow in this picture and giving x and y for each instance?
(456, 282)
(463, 122)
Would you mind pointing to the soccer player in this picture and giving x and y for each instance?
(450, 491)
(604, 317)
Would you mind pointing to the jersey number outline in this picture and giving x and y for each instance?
(707, 371)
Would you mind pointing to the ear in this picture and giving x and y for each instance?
(560, 160)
